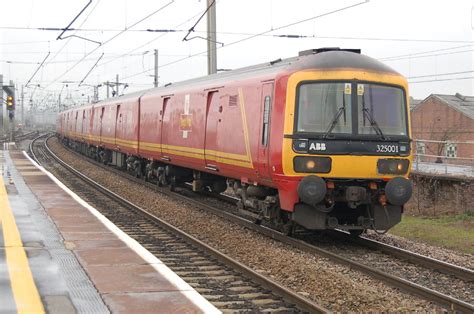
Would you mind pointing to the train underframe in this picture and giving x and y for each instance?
(352, 205)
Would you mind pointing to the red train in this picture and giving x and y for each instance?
(321, 140)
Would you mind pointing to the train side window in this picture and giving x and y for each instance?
(117, 113)
(165, 117)
(266, 121)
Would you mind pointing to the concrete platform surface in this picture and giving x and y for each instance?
(60, 255)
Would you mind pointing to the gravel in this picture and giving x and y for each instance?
(446, 284)
(338, 288)
(458, 258)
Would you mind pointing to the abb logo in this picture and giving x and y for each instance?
(317, 146)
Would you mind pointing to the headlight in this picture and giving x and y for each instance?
(312, 164)
(393, 166)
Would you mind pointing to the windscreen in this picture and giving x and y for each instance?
(322, 104)
(383, 104)
(326, 108)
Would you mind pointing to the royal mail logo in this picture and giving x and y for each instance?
(317, 146)
(185, 122)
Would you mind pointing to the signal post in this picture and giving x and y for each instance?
(7, 107)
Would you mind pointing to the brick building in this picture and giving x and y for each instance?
(445, 118)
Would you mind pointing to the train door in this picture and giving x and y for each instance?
(83, 125)
(264, 140)
(165, 124)
(118, 126)
(101, 123)
(210, 138)
(90, 124)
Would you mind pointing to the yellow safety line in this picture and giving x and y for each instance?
(24, 290)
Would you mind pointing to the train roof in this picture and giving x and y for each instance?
(317, 59)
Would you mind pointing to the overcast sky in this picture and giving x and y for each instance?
(430, 42)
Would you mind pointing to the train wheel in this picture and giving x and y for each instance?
(162, 179)
(172, 184)
(288, 228)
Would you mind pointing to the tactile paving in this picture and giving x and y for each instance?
(82, 292)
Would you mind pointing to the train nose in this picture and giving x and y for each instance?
(312, 190)
(398, 191)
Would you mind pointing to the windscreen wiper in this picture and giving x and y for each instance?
(334, 121)
(373, 123)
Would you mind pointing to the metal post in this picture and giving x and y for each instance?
(211, 38)
(11, 120)
(117, 85)
(108, 89)
(96, 94)
(22, 117)
(155, 82)
(2, 105)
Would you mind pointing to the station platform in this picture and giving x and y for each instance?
(60, 255)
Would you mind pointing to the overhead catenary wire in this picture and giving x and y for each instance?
(77, 16)
(69, 39)
(424, 52)
(446, 79)
(262, 33)
(37, 69)
(174, 30)
(197, 22)
(88, 59)
(440, 74)
(107, 59)
(427, 55)
(150, 41)
(82, 81)
(112, 38)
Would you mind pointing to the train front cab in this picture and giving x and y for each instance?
(346, 150)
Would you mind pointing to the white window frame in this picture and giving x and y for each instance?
(451, 150)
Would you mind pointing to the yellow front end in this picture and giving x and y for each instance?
(347, 149)
(342, 166)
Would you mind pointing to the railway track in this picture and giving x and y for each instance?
(422, 260)
(228, 284)
(23, 136)
(453, 300)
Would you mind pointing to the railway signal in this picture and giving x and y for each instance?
(10, 103)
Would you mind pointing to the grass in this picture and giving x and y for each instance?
(454, 232)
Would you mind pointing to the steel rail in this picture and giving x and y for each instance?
(423, 260)
(397, 282)
(19, 137)
(30, 147)
(303, 303)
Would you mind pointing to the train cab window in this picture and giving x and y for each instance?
(324, 108)
(266, 120)
(381, 109)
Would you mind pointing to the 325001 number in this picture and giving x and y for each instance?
(387, 148)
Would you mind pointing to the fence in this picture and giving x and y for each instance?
(444, 157)
(443, 178)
